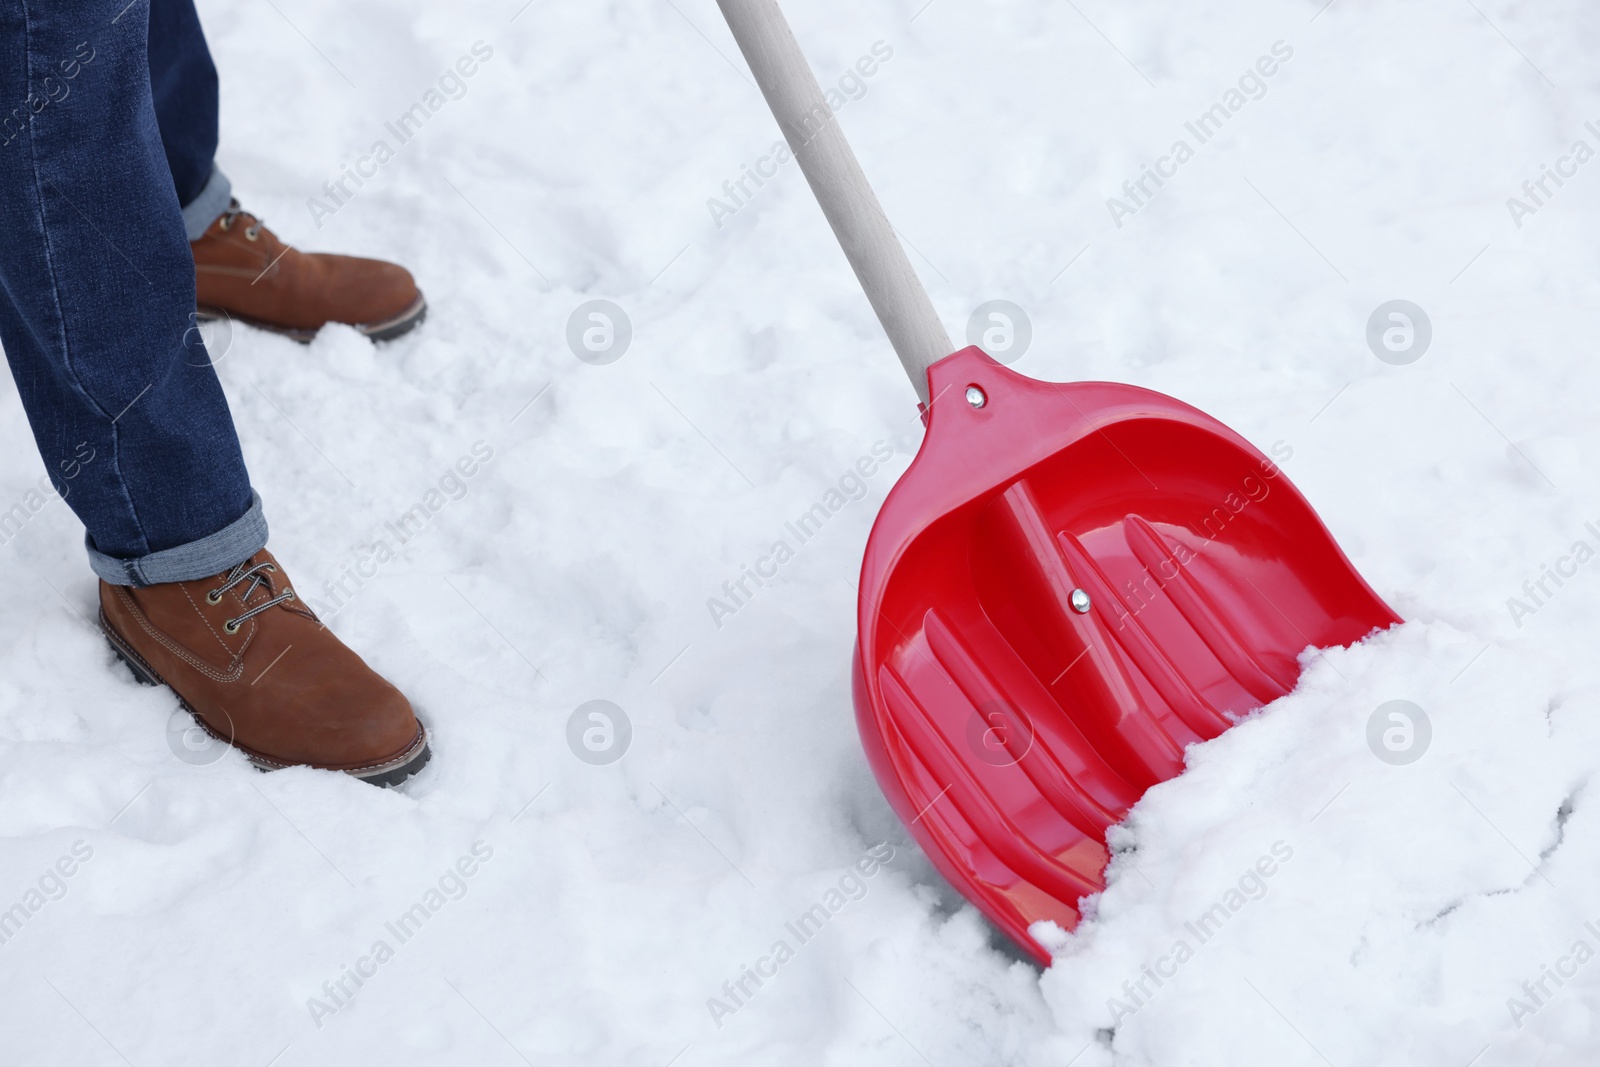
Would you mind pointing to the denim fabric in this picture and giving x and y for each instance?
(197, 559)
(97, 294)
(183, 84)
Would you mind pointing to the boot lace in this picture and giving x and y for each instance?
(256, 575)
(233, 212)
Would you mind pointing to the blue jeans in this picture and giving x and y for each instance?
(108, 125)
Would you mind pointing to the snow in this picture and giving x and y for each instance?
(610, 903)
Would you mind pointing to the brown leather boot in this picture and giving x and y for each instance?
(257, 670)
(242, 271)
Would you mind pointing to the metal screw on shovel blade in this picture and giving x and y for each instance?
(1080, 602)
(975, 396)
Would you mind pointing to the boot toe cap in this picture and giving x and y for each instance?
(371, 290)
(366, 727)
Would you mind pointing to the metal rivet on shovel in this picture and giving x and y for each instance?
(975, 396)
(1080, 602)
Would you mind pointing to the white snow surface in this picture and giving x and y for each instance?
(1417, 899)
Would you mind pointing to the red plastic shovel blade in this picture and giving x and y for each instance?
(1070, 584)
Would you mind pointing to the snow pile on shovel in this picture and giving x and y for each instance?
(1323, 863)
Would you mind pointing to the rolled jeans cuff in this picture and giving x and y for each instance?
(203, 210)
(231, 545)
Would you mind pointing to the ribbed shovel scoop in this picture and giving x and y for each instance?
(1070, 584)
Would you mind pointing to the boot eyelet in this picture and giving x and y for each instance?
(226, 224)
(288, 594)
(213, 598)
(252, 235)
(231, 626)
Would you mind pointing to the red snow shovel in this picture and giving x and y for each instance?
(1070, 584)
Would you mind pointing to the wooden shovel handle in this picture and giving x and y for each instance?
(858, 221)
